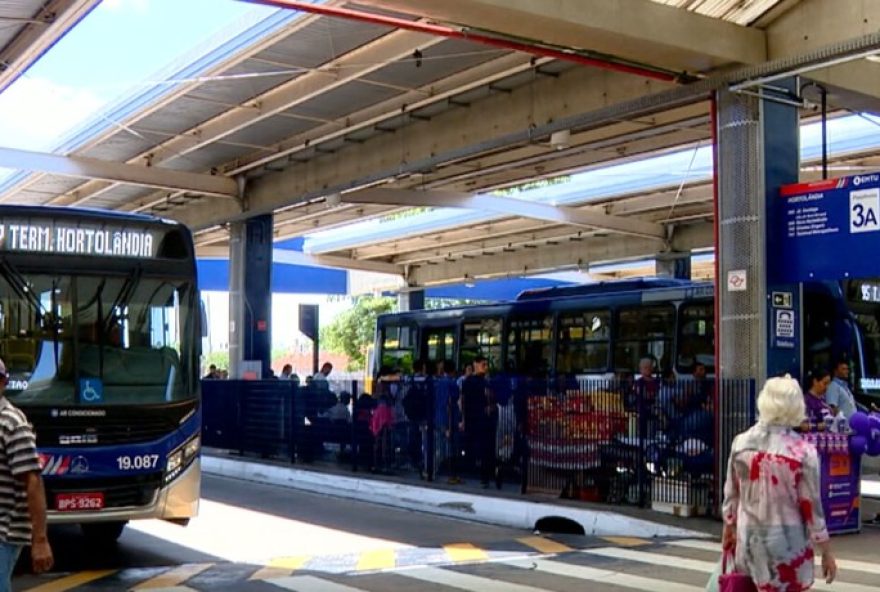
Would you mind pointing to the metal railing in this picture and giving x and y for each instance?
(642, 442)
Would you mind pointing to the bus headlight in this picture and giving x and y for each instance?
(175, 461)
(191, 448)
(181, 457)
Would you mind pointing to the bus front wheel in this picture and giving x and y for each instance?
(103, 532)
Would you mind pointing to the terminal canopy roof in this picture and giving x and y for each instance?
(443, 142)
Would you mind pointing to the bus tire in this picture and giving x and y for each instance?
(103, 532)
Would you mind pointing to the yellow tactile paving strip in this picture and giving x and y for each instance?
(176, 578)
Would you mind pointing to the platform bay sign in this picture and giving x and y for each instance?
(827, 230)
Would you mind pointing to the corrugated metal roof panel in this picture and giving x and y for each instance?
(233, 90)
(438, 61)
(344, 100)
(16, 9)
(122, 146)
(741, 12)
(207, 158)
(321, 42)
(270, 130)
(182, 113)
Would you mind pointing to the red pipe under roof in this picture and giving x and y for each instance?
(452, 33)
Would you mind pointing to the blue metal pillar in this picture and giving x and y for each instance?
(250, 296)
(411, 299)
(781, 156)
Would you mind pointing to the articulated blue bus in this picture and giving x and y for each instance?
(600, 330)
(100, 333)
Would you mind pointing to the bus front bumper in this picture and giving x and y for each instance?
(177, 500)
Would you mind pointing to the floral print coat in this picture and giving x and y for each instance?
(772, 497)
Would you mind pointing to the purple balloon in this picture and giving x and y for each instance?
(860, 423)
(858, 445)
(873, 448)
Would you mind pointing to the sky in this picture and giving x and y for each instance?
(115, 50)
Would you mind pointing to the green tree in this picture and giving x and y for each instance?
(352, 332)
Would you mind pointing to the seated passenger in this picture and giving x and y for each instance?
(340, 412)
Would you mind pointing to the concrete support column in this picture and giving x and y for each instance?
(411, 299)
(250, 294)
(757, 153)
(673, 265)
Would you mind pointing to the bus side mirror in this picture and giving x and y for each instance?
(203, 318)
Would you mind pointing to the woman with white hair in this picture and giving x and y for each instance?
(772, 508)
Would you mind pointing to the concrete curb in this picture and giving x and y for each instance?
(522, 514)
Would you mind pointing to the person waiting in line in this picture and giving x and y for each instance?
(213, 373)
(23, 511)
(320, 377)
(416, 406)
(839, 396)
(468, 370)
(772, 509)
(363, 437)
(480, 419)
(702, 388)
(381, 424)
(287, 373)
(817, 408)
(447, 416)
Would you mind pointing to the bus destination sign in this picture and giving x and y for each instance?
(67, 239)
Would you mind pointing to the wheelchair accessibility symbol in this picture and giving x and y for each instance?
(91, 390)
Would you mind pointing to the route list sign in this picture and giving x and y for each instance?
(62, 237)
(827, 230)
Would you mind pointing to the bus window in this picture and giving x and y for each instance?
(530, 345)
(644, 331)
(584, 339)
(696, 337)
(481, 338)
(439, 344)
(398, 348)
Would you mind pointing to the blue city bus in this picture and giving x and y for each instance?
(100, 333)
(604, 329)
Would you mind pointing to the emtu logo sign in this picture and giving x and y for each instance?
(858, 180)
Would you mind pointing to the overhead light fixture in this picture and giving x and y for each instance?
(561, 139)
(333, 200)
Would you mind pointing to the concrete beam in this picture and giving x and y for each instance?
(569, 255)
(130, 174)
(382, 157)
(638, 30)
(586, 218)
(298, 258)
(814, 24)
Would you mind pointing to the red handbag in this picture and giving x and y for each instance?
(733, 581)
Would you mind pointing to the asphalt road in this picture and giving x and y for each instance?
(251, 538)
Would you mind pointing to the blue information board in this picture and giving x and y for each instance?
(826, 230)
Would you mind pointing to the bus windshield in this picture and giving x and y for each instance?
(95, 340)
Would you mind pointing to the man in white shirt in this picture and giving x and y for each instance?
(839, 395)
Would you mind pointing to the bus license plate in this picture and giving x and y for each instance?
(70, 502)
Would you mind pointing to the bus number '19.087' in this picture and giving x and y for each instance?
(138, 462)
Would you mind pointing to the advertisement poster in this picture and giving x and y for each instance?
(840, 480)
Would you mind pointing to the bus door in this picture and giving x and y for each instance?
(439, 345)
